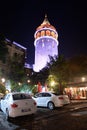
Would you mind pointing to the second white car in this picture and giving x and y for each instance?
(48, 99)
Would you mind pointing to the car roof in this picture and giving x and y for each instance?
(50, 92)
(12, 93)
(45, 92)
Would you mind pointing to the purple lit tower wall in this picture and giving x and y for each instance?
(46, 44)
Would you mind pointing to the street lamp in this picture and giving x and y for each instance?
(83, 79)
(19, 83)
(3, 80)
(28, 81)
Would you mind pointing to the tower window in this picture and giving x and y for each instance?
(38, 35)
(42, 33)
(47, 33)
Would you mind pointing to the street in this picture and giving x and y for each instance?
(70, 117)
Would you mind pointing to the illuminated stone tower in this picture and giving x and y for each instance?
(46, 44)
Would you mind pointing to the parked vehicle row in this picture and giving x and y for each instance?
(19, 104)
(51, 100)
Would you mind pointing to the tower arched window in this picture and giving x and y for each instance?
(47, 33)
(52, 34)
(42, 33)
(38, 35)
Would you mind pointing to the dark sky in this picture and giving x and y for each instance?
(20, 18)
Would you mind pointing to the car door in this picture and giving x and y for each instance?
(47, 98)
(38, 99)
(44, 99)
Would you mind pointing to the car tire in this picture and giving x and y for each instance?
(51, 105)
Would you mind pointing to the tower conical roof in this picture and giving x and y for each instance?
(45, 20)
(45, 24)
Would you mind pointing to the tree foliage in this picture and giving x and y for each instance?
(40, 76)
(2, 88)
(58, 68)
(64, 70)
(78, 66)
(17, 72)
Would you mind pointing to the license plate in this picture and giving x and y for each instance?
(26, 110)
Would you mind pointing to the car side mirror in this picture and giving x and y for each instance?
(35, 96)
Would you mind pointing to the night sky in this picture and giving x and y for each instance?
(20, 18)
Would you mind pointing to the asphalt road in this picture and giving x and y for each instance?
(70, 117)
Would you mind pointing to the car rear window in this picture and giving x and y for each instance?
(21, 96)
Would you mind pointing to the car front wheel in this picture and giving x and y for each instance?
(51, 105)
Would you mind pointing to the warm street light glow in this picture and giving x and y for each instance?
(52, 83)
(28, 81)
(83, 79)
(3, 80)
(19, 83)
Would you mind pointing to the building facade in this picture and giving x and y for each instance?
(46, 44)
(14, 49)
(78, 88)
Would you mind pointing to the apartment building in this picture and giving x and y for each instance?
(14, 50)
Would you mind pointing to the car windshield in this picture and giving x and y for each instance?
(21, 96)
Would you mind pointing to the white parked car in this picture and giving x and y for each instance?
(66, 99)
(48, 99)
(18, 104)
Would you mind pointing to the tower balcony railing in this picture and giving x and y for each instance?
(43, 37)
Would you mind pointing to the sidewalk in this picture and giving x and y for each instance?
(78, 100)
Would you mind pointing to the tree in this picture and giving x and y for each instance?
(40, 76)
(16, 68)
(77, 66)
(2, 88)
(58, 69)
(16, 71)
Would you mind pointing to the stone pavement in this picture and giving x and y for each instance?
(78, 100)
